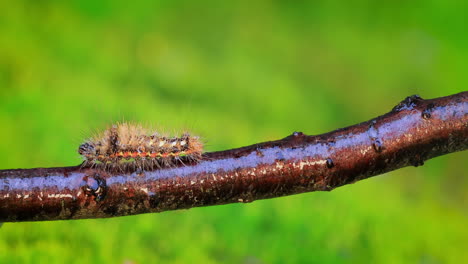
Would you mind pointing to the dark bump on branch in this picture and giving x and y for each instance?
(408, 104)
(414, 131)
(94, 186)
(426, 114)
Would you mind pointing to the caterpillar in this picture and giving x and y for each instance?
(125, 146)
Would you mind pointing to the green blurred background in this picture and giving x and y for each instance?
(236, 73)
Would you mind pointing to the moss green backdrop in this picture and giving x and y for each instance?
(235, 73)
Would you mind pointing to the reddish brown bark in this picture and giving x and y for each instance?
(414, 131)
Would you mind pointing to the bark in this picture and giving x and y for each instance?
(414, 131)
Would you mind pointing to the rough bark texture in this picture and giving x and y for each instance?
(414, 131)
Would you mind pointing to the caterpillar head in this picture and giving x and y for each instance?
(86, 149)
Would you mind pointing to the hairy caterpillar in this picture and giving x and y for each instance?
(125, 146)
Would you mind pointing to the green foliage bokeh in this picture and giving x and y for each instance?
(235, 73)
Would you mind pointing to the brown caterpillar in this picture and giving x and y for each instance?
(124, 147)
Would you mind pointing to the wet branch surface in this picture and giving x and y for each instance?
(414, 131)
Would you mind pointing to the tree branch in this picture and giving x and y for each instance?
(414, 131)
